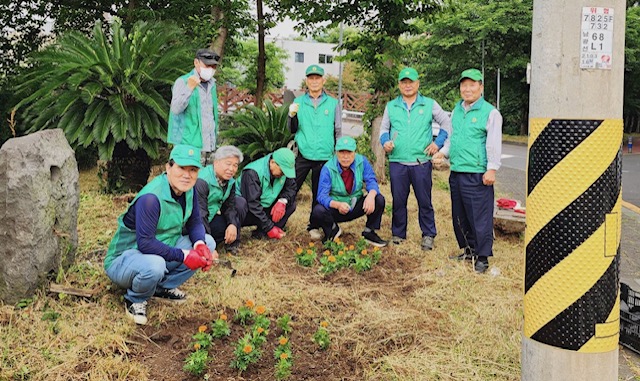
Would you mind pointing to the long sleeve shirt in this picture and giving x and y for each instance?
(143, 217)
(494, 138)
(337, 123)
(324, 184)
(181, 94)
(228, 207)
(251, 190)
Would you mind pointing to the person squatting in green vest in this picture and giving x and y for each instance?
(220, 209)
(407, 137)
(148, 255)
(268, 188)
(316, 120)
(474, 149)
(341, 197)
(193, 118)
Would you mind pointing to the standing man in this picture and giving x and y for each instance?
(316, 120)
(406, 136)
(340, 195)
(148, 255)
(474, 148)
(193, 119)
(221, 211)
(268, 187)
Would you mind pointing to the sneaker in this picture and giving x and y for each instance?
(466, 255)
(481, 265)
(397, 240)
(258, 234)
(234, 248)
(427, 243)
(173, 295)
(373, 239)
(335, 233)
(136, 311)
(315, 234)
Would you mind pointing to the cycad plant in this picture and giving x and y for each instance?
(111, 90)
(258, 132)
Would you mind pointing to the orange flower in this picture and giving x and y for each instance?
(299, 250)
(376, 249)
(260, 330)
(223, 317)
(364, 252)
(309, 251)
(331, 258)
(202, 328)
(196, 346)
(283, 341)
(324, 324)
(247, 349)
(340, 252)
(284, 356)
(249, 303)
(336, 240)
(311, 244)
(327, 252)
(351, 247)
(261, 309)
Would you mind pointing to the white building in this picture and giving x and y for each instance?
(305, 53)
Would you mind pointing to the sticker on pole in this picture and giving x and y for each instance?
(596, 38)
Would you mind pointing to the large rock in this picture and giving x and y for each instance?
(39, 197)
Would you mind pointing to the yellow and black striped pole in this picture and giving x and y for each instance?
(571, 303)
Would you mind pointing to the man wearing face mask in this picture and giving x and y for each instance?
(193, 119)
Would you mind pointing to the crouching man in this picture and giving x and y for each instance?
(148, 255)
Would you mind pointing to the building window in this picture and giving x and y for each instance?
(325, 59)
(299, 57)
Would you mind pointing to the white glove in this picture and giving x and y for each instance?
(293, 109)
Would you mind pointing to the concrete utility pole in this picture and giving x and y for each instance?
(571, 305)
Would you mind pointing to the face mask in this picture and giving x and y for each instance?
(206, 73)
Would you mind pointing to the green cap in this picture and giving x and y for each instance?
(314, 69)
(346, 143)
(408, 72)
(285, 158)
(474, 74)
(185, 155)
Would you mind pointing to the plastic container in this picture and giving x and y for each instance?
(629, 318)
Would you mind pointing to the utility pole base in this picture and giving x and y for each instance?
(541, 362)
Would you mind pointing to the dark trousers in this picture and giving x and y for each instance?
(472, 212)
(325, 218)
(219, 223)
(252, 220)
(402, 178)
(303, 167)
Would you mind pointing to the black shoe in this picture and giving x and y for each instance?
(466, 255)
(173, 295)
(234, 248)
(373, 239)
(136, 311)
(258, 234)
(481, 265)
(335, 233)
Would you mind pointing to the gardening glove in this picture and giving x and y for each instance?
(194, 260)
(204, 252)
(293, 109)
(214, 261)
(275, 233)
(277, 212)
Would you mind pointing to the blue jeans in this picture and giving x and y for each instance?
(141, 274)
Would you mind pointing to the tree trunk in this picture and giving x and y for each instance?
(379, 166)
(261, 56)
(217, 45)
(128, 171)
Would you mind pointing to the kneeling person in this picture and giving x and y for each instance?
(268, 186)
(340, 195)
(148, 254)
(220, 209)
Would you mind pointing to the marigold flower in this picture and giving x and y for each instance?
(249, 303)
(327, 252)
(364, 252)
(261, 309)
(283, 341)
(309, 251)
(260, 330)
(376, 249)
(196, 346)
(324, 324)
(247, 349)
(311, 244)
(202, 328)
(299, 250)
(340, 252)
(284, 356)
(351, 247)
(223, 317)
(337, 240)
(331, 258)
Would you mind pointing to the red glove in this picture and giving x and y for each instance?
(204, 252)
(275, 233)
(194, 260)
(277, 212)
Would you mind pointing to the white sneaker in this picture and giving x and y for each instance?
(136, 311)
(315, 234)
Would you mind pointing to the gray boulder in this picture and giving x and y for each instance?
(39, 196)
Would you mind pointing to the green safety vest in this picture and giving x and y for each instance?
(217, 195)
(270, 190)
(186, 127)
(170, 223)
(412, 130)
(338, 189)
(316, 127)
(468, 149)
